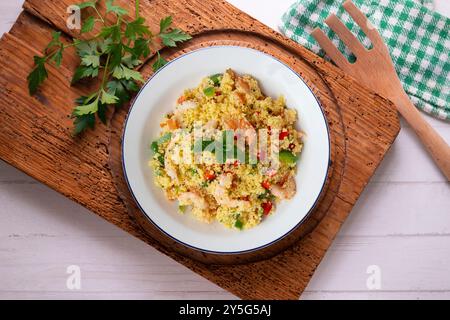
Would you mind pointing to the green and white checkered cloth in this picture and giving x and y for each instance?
(417, 37)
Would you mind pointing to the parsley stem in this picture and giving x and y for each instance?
(106, 73)
(137, 8)
(99, 15)
(68, 45)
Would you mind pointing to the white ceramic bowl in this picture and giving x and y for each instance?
(159, 96)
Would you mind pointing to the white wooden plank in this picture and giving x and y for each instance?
(126, 265)
(376, 295)
(108, 264)
(406, 264)
(386, 209)
(9, 11)
(108, 295)
(36, 210)
(268, 12)
(9, 175)
(407, 160)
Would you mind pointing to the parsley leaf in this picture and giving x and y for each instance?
(57, 57)
(84, 72)
(136, 28)
(89, 108)
(141, 48)
(110, 7)
(88, 25)
(117, 49)
(55, 42)
(122, 72)
(81, 123)
(91, 61)
(165, 23)
(119, 90)
(101, 112)
(38, 75)
(85, 48)
(112, 32)
(108, 98)
(130, 61)
(171, 38)
(159, 63)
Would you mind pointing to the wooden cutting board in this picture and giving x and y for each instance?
(35, 134)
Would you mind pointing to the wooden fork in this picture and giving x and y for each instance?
(375, 69)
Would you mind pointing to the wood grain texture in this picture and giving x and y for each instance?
(35, 143)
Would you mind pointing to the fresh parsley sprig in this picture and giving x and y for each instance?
(112, 55)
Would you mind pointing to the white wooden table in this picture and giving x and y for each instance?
(401, 224)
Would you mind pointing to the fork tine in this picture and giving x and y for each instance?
(330, 48)
(360, 18)
(346, 35)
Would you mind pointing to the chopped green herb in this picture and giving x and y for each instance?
(204, 184)
(287, 157)
(209, 91)
(216, 78)
(182, 208)
(161, 159)
(260, 212)
(154, 146)
(239, 224)
(266, 195)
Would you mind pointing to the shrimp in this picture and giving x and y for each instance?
(234, 124)
(245, 126)
(193, 199)
(222, 197)
(285, 190)
(243, 85)
(231, 73)
(241, 97)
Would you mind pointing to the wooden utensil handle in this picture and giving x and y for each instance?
(435, 144)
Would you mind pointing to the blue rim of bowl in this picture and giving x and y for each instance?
(223, 252)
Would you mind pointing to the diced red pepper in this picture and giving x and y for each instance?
(265, 184)
(284, 134)
(218, 93)
(292, 146)
(210, 175)
(267, 207)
